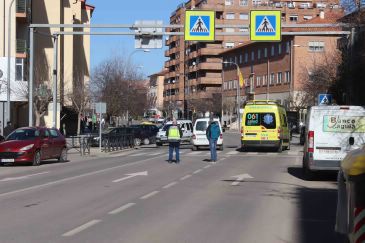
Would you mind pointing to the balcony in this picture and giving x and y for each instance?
(209, 80)
(210, 66)
(21, 48)
(21, 9)
(210, 51)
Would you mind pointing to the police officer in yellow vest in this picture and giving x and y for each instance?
(174, 135)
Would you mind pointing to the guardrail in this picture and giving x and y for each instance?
(117, 142)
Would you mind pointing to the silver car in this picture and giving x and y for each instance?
(186, 127)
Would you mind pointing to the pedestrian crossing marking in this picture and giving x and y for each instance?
(233, 152)
(195, 153)
(265, 26)
(139, 154)
(153, 154)
(223, 153)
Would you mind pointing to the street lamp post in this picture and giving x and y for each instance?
(125, 71)
(8, 67)
(238, 93)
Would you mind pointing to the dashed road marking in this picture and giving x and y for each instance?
(232, 152)
(149, 195)
(197, 171)
(170, 185)
(138, 154)
(122, 208)
(185, 177)
(194, 153)
(157, 153)
(207, 166)
(81, 228)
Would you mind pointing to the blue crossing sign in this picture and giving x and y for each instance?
(265, 25)
(324, 99)
(199, 25)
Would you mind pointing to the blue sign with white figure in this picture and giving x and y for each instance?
(324, 99)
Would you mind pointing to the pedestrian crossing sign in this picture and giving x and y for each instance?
(199, 25)
(265, 25)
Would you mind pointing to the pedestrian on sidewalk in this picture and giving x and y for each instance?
(213, 132)
(174, 135)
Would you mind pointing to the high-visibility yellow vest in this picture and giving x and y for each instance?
(174, 133)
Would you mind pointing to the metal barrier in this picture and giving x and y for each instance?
(80, 143)
(117, 142)
(350, 218)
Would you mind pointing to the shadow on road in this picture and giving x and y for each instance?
(317, 176)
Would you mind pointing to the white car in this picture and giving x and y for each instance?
(186, 127)
(199, 138)
(330, 133)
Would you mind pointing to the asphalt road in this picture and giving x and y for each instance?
(136, 196)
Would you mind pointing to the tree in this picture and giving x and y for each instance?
(118, 83)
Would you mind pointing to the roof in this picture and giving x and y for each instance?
(161, 73)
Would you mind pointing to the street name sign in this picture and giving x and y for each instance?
(100, 107)
(199, 25)
(265, 25)
(324, 99)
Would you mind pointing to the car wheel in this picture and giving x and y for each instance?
(137, 142)
(195, 148)
(307, 173)
(280, 148)
(37, 159)
(146, 141)
(63, 155)
(158, 144)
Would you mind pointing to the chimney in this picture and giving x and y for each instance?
(321, 14)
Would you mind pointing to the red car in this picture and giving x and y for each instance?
(33, 144)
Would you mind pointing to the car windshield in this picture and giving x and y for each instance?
(201, 126)
(23, 134)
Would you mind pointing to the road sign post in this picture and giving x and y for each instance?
(265, 25)
(199, 25)
(100, 108)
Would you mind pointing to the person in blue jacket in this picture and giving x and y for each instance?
(213, 132)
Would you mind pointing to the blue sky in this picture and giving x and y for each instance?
(127, 12)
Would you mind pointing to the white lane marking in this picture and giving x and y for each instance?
(81, 228)
(170, 185)
(218, 152)
(23, 177)
(207, 166)
(143, 173)
(157, 153)
(197, 171)
(75, 177)
(149, 195)
(185, 177)
(122, 208)
(139, 154)
(252, 153)
(240, 178)
(271, 154)
(233, 152)
(194, 153)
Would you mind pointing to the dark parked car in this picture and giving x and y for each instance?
(302, 135)
(144, 133)
(32, 145)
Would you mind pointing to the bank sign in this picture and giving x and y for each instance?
(353, 124)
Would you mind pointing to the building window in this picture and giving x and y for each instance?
(272, 50)
(229, 15)
(244, 29)
(243, 2)
(235, 59)
(244, 16)
(317, 46)
(265, 52)
(280, 77)
(234, 84)
(225, 86)
(272, 78)
(287, 77)
(230, 30)
(240, 58)
(287, 47)
(279, 48)
(307, 17)
(229, 44)
(229, 2)
(246, 57)
(258, 81)
(252, 56)
(293, 18)
(259, 54)
(264, 80)
(19, 69)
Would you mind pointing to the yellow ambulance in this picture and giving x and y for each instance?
(264, 124)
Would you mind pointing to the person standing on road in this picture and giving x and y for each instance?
(174, 135)
(213, 132)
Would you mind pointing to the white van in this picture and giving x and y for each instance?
(199, 138)
(331, 132)
(186, 127)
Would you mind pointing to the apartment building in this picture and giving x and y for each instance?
(156, 90)
(73, 52)
(194, 80)
(276, 70)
